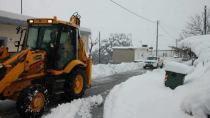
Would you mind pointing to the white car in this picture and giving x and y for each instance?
(153, 62)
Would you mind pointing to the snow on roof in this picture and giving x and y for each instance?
(200, 45)
(12, 18)
(177, 67)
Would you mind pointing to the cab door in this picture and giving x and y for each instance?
(67, 50)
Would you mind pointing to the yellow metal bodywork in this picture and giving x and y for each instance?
(73, 64)
(20, 71)
(89, 72)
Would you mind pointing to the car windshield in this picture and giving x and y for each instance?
(151, 58)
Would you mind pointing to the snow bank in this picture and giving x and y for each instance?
(143, 96)
(177, 67)
(197, 89)
(77, 108)
(101, 70)
(146, 96)
(197, 102)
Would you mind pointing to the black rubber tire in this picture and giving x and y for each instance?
(24, 100)
(69, 86)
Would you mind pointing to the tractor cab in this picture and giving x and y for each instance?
(58, 40)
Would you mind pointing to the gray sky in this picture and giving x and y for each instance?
(104, 16)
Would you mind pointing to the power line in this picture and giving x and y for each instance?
(167, 32)
(123, 7)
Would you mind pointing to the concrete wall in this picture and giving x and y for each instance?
(123, 55)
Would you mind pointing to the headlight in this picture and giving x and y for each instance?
(49, 21)
(31, 21)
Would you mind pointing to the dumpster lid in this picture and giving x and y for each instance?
(177, 67)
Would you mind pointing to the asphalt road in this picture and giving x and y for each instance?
(100, 86)
(104, 85)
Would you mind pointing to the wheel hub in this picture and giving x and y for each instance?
(37, 102)
(78, 84)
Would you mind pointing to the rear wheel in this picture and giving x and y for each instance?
(32, 101)
(75, 84)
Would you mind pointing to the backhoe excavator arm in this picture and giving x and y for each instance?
(14, 68)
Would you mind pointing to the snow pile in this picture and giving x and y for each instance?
(197, 89)
(177, 67)
(143, 96)
(197, 102)
(77, 108)
(102, 70)
(200, 45)
(146, 96)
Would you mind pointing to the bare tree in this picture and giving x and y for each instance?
(195, 26)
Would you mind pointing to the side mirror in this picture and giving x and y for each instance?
(17, 43)
(18, 29)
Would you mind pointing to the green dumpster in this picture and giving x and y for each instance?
(175, 73)
(173, 79)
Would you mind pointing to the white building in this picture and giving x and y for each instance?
(129, 54)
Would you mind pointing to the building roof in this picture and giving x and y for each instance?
(130, 47)
(18, 19)
(12, 18)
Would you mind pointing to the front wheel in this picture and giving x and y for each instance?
(32, 101)
(75, 84)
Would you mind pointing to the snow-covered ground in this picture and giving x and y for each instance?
(102, 70)
(143, 96)
(79, 108)
(146, 96)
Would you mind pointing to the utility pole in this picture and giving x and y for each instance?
(99, 48)
(205, 15)
(176, 42)
(21, 6)
(157, 39)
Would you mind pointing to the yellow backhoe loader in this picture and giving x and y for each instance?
(52, 60)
